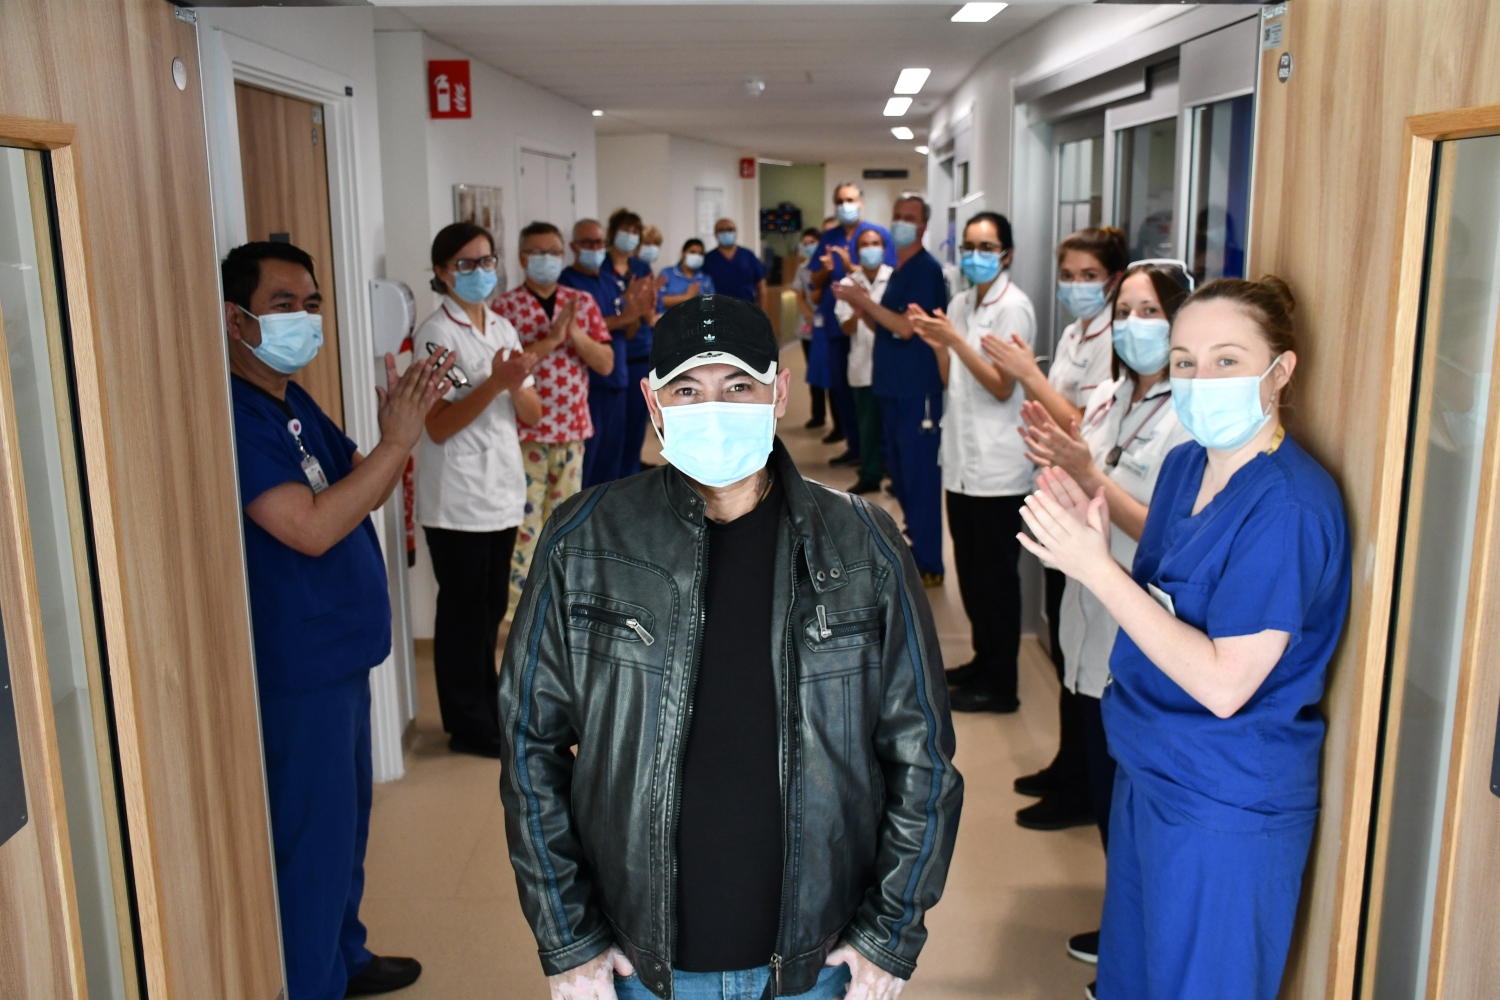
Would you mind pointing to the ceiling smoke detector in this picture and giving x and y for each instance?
(755, 86)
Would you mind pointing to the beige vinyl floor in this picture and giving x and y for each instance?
(439, 886)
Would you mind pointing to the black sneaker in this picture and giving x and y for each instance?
(383, 975)
(864, 486)
(477, 748)
(833, 437)
(1089, 992)
(1085, 947)
(959, 676)
(814, 424)
(848, 459)
(969, 699)
(1056, 812)
(1038, 785)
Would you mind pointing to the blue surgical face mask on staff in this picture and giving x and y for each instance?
(626, 241)
(903, 233)
(591, 260)
(475, 286)
(1082, 298)
(648, 253)
(726, 238)
(1222, 413)
(871, 256)
(848, 212)
(1143, 342)
(544, 268)
(288, 341)
(980, 266)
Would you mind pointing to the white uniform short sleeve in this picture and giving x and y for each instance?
(1081, 360)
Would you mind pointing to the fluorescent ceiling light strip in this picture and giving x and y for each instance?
(911, 80)
(978, 13)
(903, 133)
(923, 150)
(773, 163)
(896, 106)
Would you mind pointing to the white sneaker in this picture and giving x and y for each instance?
(1088, 991)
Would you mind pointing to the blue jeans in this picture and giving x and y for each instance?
(747, 985)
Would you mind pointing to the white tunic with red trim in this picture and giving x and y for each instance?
(562, 379)
(1080, 364)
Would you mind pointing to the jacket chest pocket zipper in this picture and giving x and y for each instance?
(616, 618)
(842, 630)
(824, 632)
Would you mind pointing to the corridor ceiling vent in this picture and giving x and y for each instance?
(911, 80)
(903, 133)
(755, 86)
(978, 13)
(896, 106)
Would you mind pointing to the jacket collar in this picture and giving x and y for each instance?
(823, 561)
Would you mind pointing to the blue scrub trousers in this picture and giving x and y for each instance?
(317, 747)
(1195, 912)
(636, 416)
(840, 395)
(911, 460)
(604, 453)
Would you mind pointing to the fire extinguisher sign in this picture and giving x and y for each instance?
(448, 94)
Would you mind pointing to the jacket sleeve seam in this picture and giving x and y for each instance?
(860, 940)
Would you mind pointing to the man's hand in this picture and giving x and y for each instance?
(867, 981)
(593, 980)
(640, 297)
(407, 398)
(562, 322)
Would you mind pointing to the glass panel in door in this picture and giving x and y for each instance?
(1219, 187)
(1145, 186)
(35, 340)
(1442, 510)
(1080, 185)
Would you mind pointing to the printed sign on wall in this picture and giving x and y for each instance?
(747, 167)
(448, 93)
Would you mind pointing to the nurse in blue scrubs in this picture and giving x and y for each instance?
(1227, 623)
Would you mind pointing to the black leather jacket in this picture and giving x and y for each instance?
(596, 699)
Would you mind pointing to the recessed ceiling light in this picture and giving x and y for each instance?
(923, 150)
(598, 113)
(896, 106)
(910, 81)
(903, 133)
(978, 13)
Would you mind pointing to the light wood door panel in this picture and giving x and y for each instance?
(284, 159)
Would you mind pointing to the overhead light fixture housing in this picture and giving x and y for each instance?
(766, 160)
(598, 113)
(923, 150)
(978, 13)
(911, 80)
(903, 133)
(896, 106)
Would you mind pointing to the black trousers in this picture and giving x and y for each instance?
(1070, 766)
(473, 576)
(986, 556)
(819, 395)
(1101, 766)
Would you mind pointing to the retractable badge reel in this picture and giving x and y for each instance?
(311, 467)
(927, 426)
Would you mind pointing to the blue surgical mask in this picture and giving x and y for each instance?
(692, 261)
(980, 266)
(625, 241)
(543, 268)
(648, 253)
(1143, 343)
(288, 341)
(904, 234)
(805, 250)
(848, 212)
(717, 444)
(1082, 298)
(590, 260)
(1221, 413)
(475, 286)
(726, 238)
(871, 256)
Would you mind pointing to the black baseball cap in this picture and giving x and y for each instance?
(713, 330)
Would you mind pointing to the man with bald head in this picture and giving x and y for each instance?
(734, 270)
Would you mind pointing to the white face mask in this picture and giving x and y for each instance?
(718, 444)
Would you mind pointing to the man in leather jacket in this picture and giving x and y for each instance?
(728, 760)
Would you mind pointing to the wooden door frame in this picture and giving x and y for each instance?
(1423, 133)
(70, 238)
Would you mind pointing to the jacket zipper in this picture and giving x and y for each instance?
(616, 618)
(687, 727)
(788, 683)
(823, 630)
(636, 627)
(844, 629)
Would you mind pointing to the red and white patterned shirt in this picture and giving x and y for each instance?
(562, 379)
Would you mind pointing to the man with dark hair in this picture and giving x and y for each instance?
(907, 382)
(728, 765)
(319, 608)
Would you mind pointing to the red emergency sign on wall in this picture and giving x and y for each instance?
(747, 167)
(448, 93)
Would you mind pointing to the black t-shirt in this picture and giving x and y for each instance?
(729, 833)
(548, 304)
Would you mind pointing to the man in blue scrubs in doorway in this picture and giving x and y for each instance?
(622, 309)
(831, 261)
(907, 382)
(320, 612)
(735, 270)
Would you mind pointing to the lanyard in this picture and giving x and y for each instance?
(1119, 449)
(311, 467)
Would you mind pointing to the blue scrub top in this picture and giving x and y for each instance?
(909, 368)
(678, 282)
(738, 276)
(835, 238)
(637, 348)
(607, 291)
(1271, 551)
(316, 620)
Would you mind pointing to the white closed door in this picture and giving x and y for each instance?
(546, 188)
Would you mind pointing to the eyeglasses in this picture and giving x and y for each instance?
(468, 265)
(981, 248)
(1183, 276)
(543, 253)
(591, 244)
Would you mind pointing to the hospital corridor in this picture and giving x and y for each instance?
(749, 499)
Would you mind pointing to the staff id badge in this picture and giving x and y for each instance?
(1163, 598)
(311, 467)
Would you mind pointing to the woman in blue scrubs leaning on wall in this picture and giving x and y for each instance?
(1227, 623)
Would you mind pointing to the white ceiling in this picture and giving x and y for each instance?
(828, 68)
